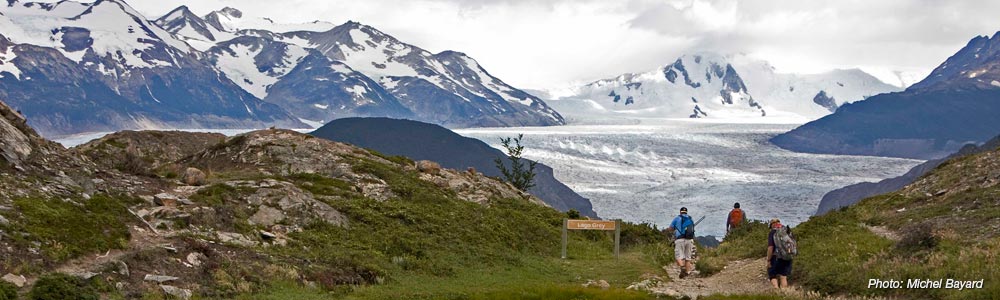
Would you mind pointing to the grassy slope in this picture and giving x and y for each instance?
(428, 244)
(948, 226)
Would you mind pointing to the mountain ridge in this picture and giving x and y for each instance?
(955, 105)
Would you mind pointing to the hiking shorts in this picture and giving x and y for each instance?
(683, 249)
(779, 267)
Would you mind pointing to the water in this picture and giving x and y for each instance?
(645, 173)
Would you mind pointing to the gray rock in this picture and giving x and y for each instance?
(176, 292)
(17, 280)
(267, 216)
(234, 238)
(194, 176)
(164, 199)
(429, 167)
(195, 258)
(159, 278)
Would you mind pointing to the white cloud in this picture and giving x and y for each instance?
(544, 44)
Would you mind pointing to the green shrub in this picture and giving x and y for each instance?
(8, 291)
(60, 286)
(634, 234)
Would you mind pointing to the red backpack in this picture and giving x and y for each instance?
(735, 217)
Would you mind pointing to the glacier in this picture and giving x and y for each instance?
(645, 172)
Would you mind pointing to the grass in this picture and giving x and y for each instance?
(838, 254)
(533, 278)
(68, 228)
(426, 243)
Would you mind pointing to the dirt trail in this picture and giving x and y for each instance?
(739, 277)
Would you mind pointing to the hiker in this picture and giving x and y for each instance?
(781, 249)
(683, 228)
(736, 218)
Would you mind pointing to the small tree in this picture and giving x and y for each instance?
(520, 175)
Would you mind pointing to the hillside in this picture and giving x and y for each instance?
(944, 225)
(423, 141)
(276, 213)
(853, 193)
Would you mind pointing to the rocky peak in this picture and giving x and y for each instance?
(977, 65)
(217, 18)
(15, 137)
(182, 17)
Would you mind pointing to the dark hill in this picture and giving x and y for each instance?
(422, 141)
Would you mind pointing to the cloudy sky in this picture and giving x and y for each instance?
(549, 44)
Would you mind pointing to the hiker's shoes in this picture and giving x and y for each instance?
(684, 273)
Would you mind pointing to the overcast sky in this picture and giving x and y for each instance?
(546, 44)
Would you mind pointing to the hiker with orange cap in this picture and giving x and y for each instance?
(781, 249)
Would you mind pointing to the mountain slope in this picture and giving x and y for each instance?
(424, 141)
(447, 88)
(853, 193)
(956, 104)
(105, 68)
(708, 85)
(463, 93)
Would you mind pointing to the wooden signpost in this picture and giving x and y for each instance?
(568, 225)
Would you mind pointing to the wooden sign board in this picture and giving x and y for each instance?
(591, 225)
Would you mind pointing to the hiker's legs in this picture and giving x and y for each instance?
(680, 262)
(774, 282)
(783, 281)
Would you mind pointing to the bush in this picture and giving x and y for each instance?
(8, 291)
(917, 237)
(634, 234)
(60, 286)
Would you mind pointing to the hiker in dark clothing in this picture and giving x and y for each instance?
(683, 241)
(780, 250)
(736, 218)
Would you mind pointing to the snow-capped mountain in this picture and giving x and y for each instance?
(302, 80)
(400, 80)
(75, 67)
(708, 85)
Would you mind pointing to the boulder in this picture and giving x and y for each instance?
(602, 284)
(17, 280)
(159, 278)
(193, 176)
(164, 199)
(176, 292)
(195, 258)
(267, 216)
(429, 167)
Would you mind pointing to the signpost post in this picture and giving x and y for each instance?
(568, 225)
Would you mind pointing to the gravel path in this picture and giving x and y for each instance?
(739, 277)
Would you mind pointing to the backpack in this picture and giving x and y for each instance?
(785, 247)
(735, 217)
(687, 230)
